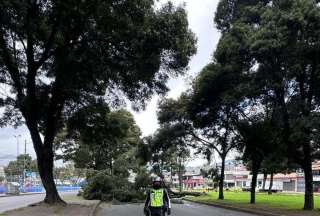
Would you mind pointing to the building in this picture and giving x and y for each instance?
(193, 180)
(237, 176)
(2, 173)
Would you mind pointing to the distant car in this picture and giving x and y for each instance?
(13, 188)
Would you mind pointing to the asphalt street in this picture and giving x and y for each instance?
(187, 209)
(14, 202)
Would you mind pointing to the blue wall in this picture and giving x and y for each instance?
(39, 189)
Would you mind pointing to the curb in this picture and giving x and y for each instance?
(239, 209)
(94, 209)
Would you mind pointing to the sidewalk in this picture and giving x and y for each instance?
(21, 194)
(77, 206)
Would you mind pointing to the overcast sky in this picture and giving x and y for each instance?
(200, 15)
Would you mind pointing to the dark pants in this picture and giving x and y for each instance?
(156, 211)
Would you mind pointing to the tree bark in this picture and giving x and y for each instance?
(271, 184)
(45, 159)
(180, 175)
(255, 172)
(45, 166)
(221, 180)
(308, 176)
(265, 176)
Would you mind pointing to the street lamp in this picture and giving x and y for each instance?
(17, 137)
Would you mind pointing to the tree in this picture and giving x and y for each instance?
(206, 134)
(281, 46)
(56, 56)
(213, 109)
(142, 180)
(98, 138)
(23, 163)
(169, 151)
(276, 162)
(258, 142)
(212, 174)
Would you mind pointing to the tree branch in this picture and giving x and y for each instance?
(12, 67)
(46, 53)
(205, 142)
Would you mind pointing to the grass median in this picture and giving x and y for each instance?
(278, 203)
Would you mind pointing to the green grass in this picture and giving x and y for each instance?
(276, 201)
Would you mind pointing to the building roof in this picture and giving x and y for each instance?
(287, 176)
(316, 165)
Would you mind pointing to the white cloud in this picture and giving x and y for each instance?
(8, 143)
(200, 16)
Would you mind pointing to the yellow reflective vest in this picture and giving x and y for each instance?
(156, 198)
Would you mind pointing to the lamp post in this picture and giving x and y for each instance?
(17, 137)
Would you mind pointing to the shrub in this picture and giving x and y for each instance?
(99, 186)
(102, 186)
(142, 181)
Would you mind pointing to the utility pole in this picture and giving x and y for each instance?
(24, 163)
(17, 137)
(19, 174)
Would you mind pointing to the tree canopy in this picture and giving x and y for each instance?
(23, 163)
(96, 137)
(57, 56)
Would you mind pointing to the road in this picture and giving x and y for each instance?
(14, 202)
(187, 209)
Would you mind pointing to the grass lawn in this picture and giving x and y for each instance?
(279, 202)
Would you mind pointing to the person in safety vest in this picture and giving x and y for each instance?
(158, 200)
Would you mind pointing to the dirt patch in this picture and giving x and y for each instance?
(47, 210)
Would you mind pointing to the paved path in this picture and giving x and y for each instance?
(15, 202)
(187, 209)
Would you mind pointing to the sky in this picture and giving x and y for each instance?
(200, 16)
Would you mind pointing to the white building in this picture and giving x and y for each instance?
(2, 173)
(236, 175)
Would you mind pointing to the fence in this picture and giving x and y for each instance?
(30, 182)
(40, 189)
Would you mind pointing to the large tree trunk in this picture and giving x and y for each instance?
(308, 176)
(45, 166)
(271, 184)
(45, 159)
(221, 180)
(255, 172)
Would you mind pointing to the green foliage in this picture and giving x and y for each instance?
(211, 173)
(56, 57)
(168, 149)
(99, 186)
(15, 168)
(102, 186)
(100, 139)
(142, 180)
(274, 45)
